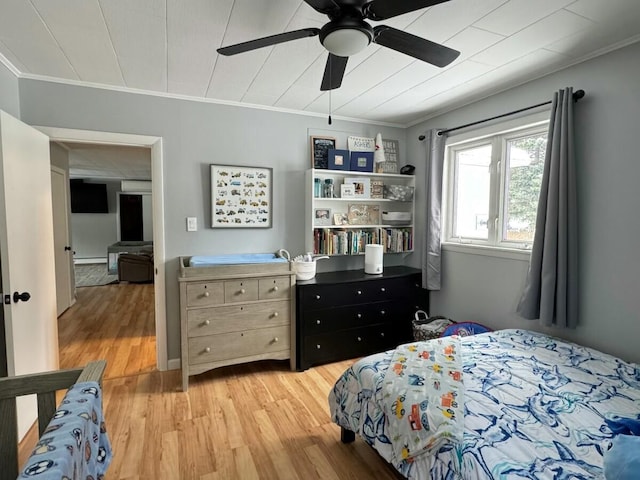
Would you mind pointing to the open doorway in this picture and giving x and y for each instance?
(154, 147)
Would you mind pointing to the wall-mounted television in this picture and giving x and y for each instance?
(87, 197)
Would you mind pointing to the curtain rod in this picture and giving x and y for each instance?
(577, 95)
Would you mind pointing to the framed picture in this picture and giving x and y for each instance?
(361, 162)
(321, 216)
(320, 147)
(363, 214)
(241, 197)
(339, 159)
(361, 186)
(340, 219)
(347, 190)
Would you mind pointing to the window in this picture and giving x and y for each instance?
(493, 184)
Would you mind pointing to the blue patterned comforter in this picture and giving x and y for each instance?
(534, 407)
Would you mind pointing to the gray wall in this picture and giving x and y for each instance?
(486, 289)
(9, 92)
(196, 135)
(92, 233)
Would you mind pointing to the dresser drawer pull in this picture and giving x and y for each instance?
(275, 314)
(242, 290)
(383, 289)
(275, 289)
(359, 339)
(207, 322)
(275, 339)
(318, 347)
(206, 294)
(359, 292)
(359, 315)
(382, 312)
(317, 322)
(207, 349)
(382, 334)
(317, 297)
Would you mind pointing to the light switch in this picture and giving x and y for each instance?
(192, 224)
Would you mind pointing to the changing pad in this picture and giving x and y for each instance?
(234, 259)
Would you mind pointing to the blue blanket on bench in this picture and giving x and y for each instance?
(233, 259)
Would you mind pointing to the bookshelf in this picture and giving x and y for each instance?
(361, 218)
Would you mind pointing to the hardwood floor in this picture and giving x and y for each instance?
(252, 421)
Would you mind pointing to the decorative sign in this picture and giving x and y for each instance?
(320, 147)
(361, 144)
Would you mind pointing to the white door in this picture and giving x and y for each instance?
(65, 277)
(26, 256)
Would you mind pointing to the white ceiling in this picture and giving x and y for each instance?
(108, 162)
(169, 47)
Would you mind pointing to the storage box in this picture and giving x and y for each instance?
(401, 193)
(396, 218)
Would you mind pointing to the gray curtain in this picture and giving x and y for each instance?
(551, 290)
(431, 243)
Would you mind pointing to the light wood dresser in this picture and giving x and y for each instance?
(233, 314)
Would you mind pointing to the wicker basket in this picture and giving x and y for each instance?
(425, 328)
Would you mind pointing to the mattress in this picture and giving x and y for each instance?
(534, 407)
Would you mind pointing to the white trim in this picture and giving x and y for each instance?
(155, 144)
(174, 364)
(488, 251)
(89, 260)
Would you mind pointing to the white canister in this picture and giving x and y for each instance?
(373, 258)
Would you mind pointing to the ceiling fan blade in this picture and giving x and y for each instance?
(268, 41)
(383, 9)
(333, 72)
(417, 47)
(323, 6)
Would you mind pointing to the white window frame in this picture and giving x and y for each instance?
(498, 135)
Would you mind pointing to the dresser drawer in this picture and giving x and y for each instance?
(240, 291)
(213, 348)
(334, 319)
(237, 318)
(323, 296)
(205, 294)
(274, 287)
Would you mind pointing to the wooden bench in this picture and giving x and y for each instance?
(44, 385)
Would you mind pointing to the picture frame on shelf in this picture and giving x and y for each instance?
(321, 217)
(361, 186)
(339, 159)
(363, 214)
(340, 219)
(377, 189)
(241, 196)
(320, 146)
(361, 162)
(347, 190)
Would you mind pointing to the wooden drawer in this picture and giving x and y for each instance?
(205, 294)
(323, 296)
(274, 287)
(332, 319)
(213, 348)
(240, 291)
(237, 318)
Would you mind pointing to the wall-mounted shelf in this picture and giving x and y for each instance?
(327, 236)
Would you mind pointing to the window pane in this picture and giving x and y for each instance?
(525, 164)
(472, 192)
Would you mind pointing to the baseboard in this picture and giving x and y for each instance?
(82, 261)
(173, 364)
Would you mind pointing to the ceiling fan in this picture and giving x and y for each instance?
(347, 33)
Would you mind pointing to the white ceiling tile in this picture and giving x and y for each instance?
(93, 58)
(194, 30)
(27, 37)
(552, 28)
(516, 15)
(472, 40)
(138, 33)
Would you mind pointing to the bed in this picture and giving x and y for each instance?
(73, 442)
(509, 404)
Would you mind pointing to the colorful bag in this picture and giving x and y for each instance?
(463, 329)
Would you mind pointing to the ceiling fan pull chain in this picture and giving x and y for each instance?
(330, 62)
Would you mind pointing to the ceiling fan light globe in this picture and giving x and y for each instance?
(345, 42)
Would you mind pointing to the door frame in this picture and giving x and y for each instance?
(157, 188)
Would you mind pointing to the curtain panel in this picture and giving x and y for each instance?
(431, 240)
(551, 289)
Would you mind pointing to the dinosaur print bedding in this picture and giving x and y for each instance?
(534, 407)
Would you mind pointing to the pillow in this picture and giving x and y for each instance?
(622, 460)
